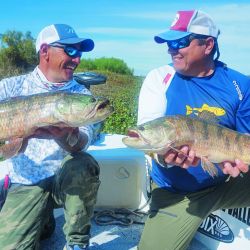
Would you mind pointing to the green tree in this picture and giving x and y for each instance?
(17, 53)
(114, 65)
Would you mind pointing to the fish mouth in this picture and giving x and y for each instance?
(133, 134)
(135, 139)
(103, 109)
(102, 105)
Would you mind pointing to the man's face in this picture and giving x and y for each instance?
(61, 66)
(191, 60)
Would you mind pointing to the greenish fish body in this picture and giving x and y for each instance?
(21, 116)
(211, 142)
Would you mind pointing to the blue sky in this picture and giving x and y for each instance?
(125, 29)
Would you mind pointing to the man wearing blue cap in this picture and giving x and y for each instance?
(195, 82)
(38, 183)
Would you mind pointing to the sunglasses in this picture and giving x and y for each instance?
(184, 42)
(68, 49)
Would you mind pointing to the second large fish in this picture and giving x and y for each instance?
(211, 142)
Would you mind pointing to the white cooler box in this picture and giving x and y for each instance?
(123, 174)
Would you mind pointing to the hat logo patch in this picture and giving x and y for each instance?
(177, 16)
(70, 31)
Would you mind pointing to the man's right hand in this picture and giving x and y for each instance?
(183, 158)
(235, 168)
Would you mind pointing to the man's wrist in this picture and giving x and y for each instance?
(73, 142)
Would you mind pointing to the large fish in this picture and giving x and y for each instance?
(213, 143)
(21, 116)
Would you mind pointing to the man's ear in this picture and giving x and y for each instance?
(44, 48)
(209, 45)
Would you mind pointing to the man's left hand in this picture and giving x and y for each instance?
(234, 168)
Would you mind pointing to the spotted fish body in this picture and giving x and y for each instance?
(20, 116)
(213, 143)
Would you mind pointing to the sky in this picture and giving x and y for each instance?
(126, 29)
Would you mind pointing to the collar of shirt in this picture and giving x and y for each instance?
(42, 80)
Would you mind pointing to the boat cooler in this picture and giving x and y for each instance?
(123, 174)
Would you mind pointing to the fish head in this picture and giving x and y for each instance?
(80, 109)
(151, 137)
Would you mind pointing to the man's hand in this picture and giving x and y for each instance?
(73, 141)
(234, 168)
(49, 132)
(52, 132)
(184, 158)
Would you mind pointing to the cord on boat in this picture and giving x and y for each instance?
(121, 216)
(124, 216)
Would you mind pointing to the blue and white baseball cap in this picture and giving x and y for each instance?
(64, 34)
(189, 22)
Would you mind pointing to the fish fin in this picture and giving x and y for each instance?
(228, 178)
(208, 116)
(10, 148)
(208, 166)
(151, 154)
(159, 159)
(189, 110)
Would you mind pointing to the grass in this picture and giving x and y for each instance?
(123, 92)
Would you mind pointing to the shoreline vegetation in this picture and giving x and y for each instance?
(18, 56)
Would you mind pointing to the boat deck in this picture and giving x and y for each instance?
(105, 237)
(118, 169)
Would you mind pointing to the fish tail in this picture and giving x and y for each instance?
(189, 110)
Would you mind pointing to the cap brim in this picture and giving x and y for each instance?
(170, 35)
(86, 44)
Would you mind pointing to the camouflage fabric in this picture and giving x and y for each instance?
(74, 187)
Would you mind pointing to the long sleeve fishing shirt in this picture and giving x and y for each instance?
(41, 158)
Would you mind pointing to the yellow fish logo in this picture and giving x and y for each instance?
(216, 111)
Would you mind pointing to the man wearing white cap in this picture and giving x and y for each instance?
(183, 194)
(38, 183)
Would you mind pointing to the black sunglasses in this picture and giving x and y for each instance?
(68, 49)
(184, 42)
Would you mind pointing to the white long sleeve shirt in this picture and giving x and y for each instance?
(41, 158)
(152, 99)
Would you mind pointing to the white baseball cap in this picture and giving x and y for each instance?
(64, 34)
(189, 22)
